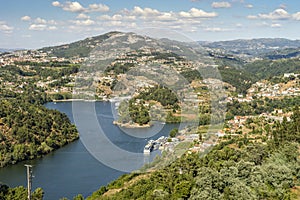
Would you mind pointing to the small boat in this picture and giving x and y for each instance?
(149, 147)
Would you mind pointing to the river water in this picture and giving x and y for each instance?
(72, 170)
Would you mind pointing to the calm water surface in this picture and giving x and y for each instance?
(72, 170)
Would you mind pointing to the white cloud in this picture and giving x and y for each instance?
(269, 25)
(141, 17)
(184, 14)
(56, 4)
(40, 21)
(104, 17)
(145, 12)
(52, 22)
(41, 24)
(155, 17)
(197, 13)
(38, 27)
(5, 28)
(52, 28)
(74, 6)
(98, 8)
(278, 14)
(129, 18)
(222, 4)
(249, 6)
(115, 23)
(117, 17)
(296, 16)
(167, 17)
(275, 25)
(216, 29)
(86, 22)
(69, 6)
(252, 17)
(190, 20)
(82, 16)
(239, 25)
(26, 18)
(117, 20)
(120, 24)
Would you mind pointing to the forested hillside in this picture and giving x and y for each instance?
(283, 53)
(264, 69)
(29, 130)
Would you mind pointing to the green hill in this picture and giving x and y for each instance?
(80, 48)
(284, 53)
(28, 131)
(268, 68)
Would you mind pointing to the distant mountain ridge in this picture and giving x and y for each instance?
(3, 50)
(81, 48)
(252, 47)
(283, 53)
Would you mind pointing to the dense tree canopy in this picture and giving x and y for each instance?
(28, 131)
(19, 193)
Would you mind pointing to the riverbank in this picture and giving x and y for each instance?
(131, 125)
(120, 124)
(70, 100)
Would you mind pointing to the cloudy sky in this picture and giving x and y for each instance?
(39, 23)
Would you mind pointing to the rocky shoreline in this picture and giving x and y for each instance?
(131, 125)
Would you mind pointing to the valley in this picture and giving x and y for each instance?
(238, 97)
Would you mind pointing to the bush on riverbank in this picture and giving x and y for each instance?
(19, 193)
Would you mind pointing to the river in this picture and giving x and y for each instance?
(72, 170)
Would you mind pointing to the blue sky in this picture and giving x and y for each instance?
(39, 23)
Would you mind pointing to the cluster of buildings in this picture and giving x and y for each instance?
(265, 88)
(147, 56)
(239, 122)
(273, 90)
(36, 56)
